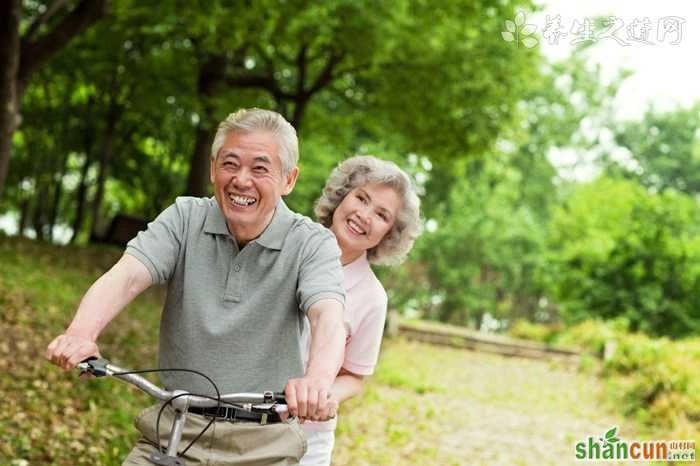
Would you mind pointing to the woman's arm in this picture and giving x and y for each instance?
(347, 385)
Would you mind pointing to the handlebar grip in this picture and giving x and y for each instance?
(95, 366)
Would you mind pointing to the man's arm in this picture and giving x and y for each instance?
(307, 396)
(102, 302)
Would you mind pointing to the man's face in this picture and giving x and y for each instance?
(248, 182)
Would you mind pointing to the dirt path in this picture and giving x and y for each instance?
(477, 409)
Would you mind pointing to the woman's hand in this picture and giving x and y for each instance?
(330, 411)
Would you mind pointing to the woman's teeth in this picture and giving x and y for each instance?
(354, 226)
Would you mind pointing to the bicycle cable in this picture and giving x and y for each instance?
(170, 400)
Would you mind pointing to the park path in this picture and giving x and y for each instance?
(483, 409)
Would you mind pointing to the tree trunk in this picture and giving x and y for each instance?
(82, 187)
(300, 105)
(105, 157)
(81, 198)
(23, 216)
(210, 77)
(57, 194)
(39, 217)
(198, 177)
(62, 168)
(9, 68)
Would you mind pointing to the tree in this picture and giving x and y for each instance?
(664, 150)
(49, 30)
(487, 253)
(616, 250)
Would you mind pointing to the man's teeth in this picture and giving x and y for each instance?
(356, 227)
(241, 200)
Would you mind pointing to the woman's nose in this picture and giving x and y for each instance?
(364, 214)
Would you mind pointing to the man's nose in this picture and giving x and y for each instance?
(242, 178)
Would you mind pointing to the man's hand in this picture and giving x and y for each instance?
(66, 351)
(309, 398)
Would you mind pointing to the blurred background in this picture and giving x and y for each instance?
(556, 146)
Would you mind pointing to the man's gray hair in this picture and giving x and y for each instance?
(364, 169)
(255, 119)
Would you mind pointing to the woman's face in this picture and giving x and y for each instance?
(364, 216)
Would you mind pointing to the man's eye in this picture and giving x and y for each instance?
(260, 169)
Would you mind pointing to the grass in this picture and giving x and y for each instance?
(425, 405)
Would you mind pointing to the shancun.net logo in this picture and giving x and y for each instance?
(610, 447)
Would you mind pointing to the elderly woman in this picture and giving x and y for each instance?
(372, 208)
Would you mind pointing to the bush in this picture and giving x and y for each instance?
(531, 331)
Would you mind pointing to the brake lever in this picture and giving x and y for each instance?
(95, 366)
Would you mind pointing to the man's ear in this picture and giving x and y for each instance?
(212, 168)
(290, 181)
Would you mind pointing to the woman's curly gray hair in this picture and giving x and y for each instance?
(364, 169)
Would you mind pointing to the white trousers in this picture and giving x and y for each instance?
(320, 447)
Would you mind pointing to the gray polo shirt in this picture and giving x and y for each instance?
(236, 315)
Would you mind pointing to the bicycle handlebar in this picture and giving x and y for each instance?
(267, 402)
(260, 401)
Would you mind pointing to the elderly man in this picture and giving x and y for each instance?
(242, 272)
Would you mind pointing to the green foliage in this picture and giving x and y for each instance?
(616, 250)
(664, 148)
(128, 98)
(487, 252)
(485, 249)
(531, 331)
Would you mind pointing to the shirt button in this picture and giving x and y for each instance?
(237, 268)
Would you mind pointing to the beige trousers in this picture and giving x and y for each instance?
(224, 443)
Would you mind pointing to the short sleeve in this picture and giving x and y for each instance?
(158, 247)
(320, 274)
(362, 351)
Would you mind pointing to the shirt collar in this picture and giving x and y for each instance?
(355, 271)
(272, 237)
(215, 223)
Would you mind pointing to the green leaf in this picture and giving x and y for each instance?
(611, 433)
(528, 29)
(529, 42)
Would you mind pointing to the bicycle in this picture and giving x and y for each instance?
(263, 404)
